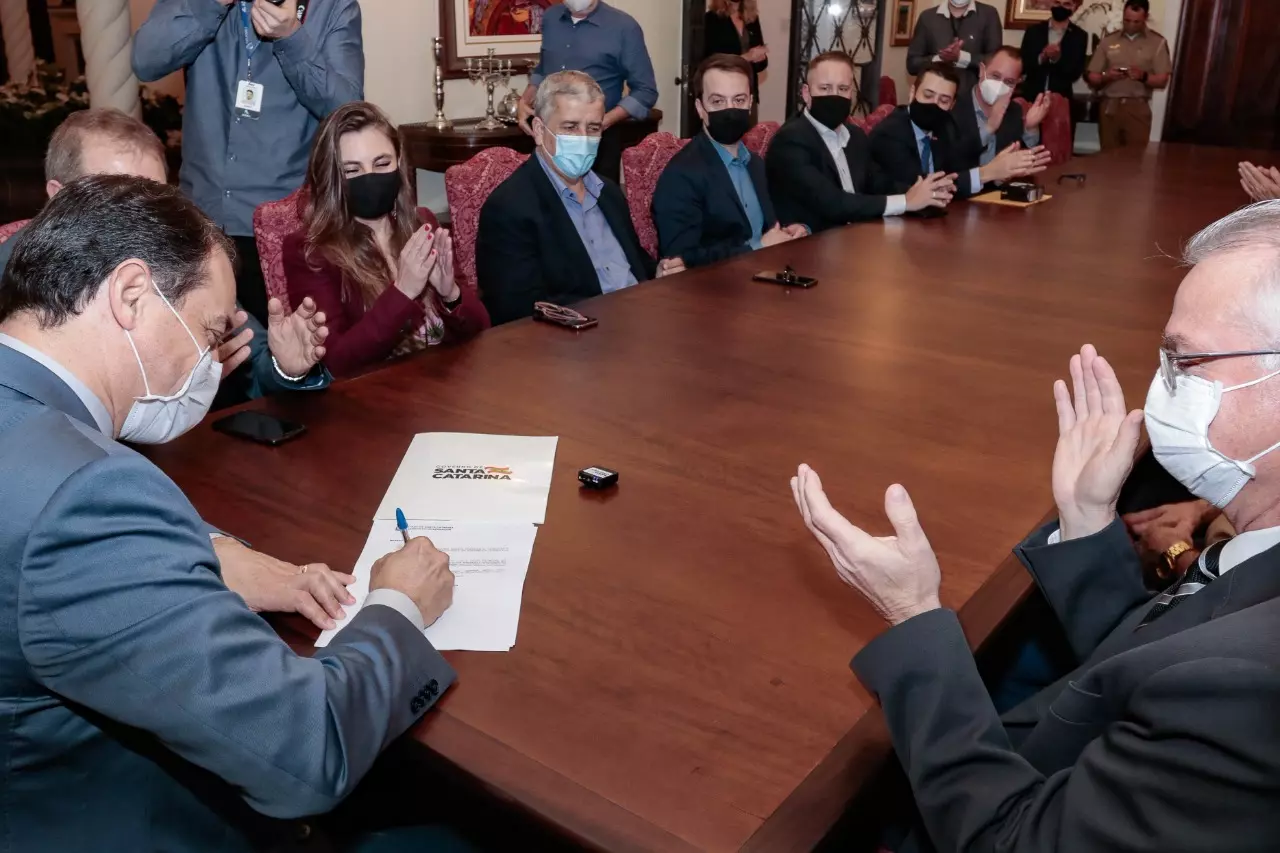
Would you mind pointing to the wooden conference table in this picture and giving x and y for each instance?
(680, 681)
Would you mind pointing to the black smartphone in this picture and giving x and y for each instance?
(259, 427)
(786, 278)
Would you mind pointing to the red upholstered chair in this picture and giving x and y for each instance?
(642, 165)
(7, 231)
(859, 122)
(878, 115)
(467, 186)
(888, 91)
(1055, 130)
(759, 137)
(272, 222)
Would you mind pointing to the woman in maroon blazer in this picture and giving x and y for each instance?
(383, 279)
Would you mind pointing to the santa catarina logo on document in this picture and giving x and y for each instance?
(472, 472)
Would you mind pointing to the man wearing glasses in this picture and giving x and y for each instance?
(712, 201)
(1164, 737)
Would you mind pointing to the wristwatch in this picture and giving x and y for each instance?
(1176, 550)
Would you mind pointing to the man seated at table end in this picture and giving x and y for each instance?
(1166, 729)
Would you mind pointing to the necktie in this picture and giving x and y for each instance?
(926, 156)
(1202, 573)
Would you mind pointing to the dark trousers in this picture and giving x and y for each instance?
(251, 287)
(609, 159)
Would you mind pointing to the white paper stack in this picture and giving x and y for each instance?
(478, 498)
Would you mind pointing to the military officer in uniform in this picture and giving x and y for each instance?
(1127, 67)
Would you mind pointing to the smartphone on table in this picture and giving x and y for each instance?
(259, 427)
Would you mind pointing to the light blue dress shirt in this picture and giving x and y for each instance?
(1030, 138)
(926, 159)
(746, 190)
(612, 267)
(609, 46)
(230, 164)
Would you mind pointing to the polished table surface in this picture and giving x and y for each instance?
(681, 680)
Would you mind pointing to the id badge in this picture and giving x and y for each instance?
(249, 99)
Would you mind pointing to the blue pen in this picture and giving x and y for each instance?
(402, 525)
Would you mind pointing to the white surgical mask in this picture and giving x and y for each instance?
(577, 7)
(155, 419)
(993, 90)
(959, 4)
(1178, 424)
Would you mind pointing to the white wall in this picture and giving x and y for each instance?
(775, 24)
(1165, 16)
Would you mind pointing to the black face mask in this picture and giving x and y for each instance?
(930, 118)
(373, 195)
(1060, 13)
(831, 110)
(729, 125)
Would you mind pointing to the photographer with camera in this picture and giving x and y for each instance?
(261, 74)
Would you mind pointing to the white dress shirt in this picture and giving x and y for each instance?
(836, 140)
(966, 58)
(392, 598)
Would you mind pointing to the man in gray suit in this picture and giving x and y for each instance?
(143, 705)
(1165, 737)
(282, 356)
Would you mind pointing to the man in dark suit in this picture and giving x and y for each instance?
(820, 169)
(134, 683)
(555, 231)
(712, 200)
(987, 121)
(1165, 737)
(1054, 52)
(920, 139)
(957, 34)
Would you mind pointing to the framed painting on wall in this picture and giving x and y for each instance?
(904, 22)
(512, 28)
(1020, 14)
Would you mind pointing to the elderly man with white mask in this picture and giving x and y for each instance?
(133, 681)
(1166, 737)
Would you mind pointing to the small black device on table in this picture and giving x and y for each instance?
(259, 427)
(596, 477)
(787, 278)
(1022, 191)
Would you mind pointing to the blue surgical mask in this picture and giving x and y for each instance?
(575, 155)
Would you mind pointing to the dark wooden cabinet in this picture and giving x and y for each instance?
(1226, 75)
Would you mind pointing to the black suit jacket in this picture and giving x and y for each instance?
(897, 157)
(806, 185)
(1061, 75)
(721, 36)
(968, 136)
(1166, 738)
(528, 251)
(696, 207)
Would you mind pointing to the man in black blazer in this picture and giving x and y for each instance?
(1054, 52)
(987, 120)
(712, 200)
(555, 231)
(1165, 737)
(921, 138)
(819, 166)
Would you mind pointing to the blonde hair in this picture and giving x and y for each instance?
(749, 11)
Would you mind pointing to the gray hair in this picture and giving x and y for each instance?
(565, 84)
(1254, 227)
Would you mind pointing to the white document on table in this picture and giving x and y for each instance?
(472, 477)
(489, 562)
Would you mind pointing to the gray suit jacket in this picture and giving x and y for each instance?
(1164, 739)
(257, 377)
(141, 701)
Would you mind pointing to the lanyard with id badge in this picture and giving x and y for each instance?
(248, 93)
